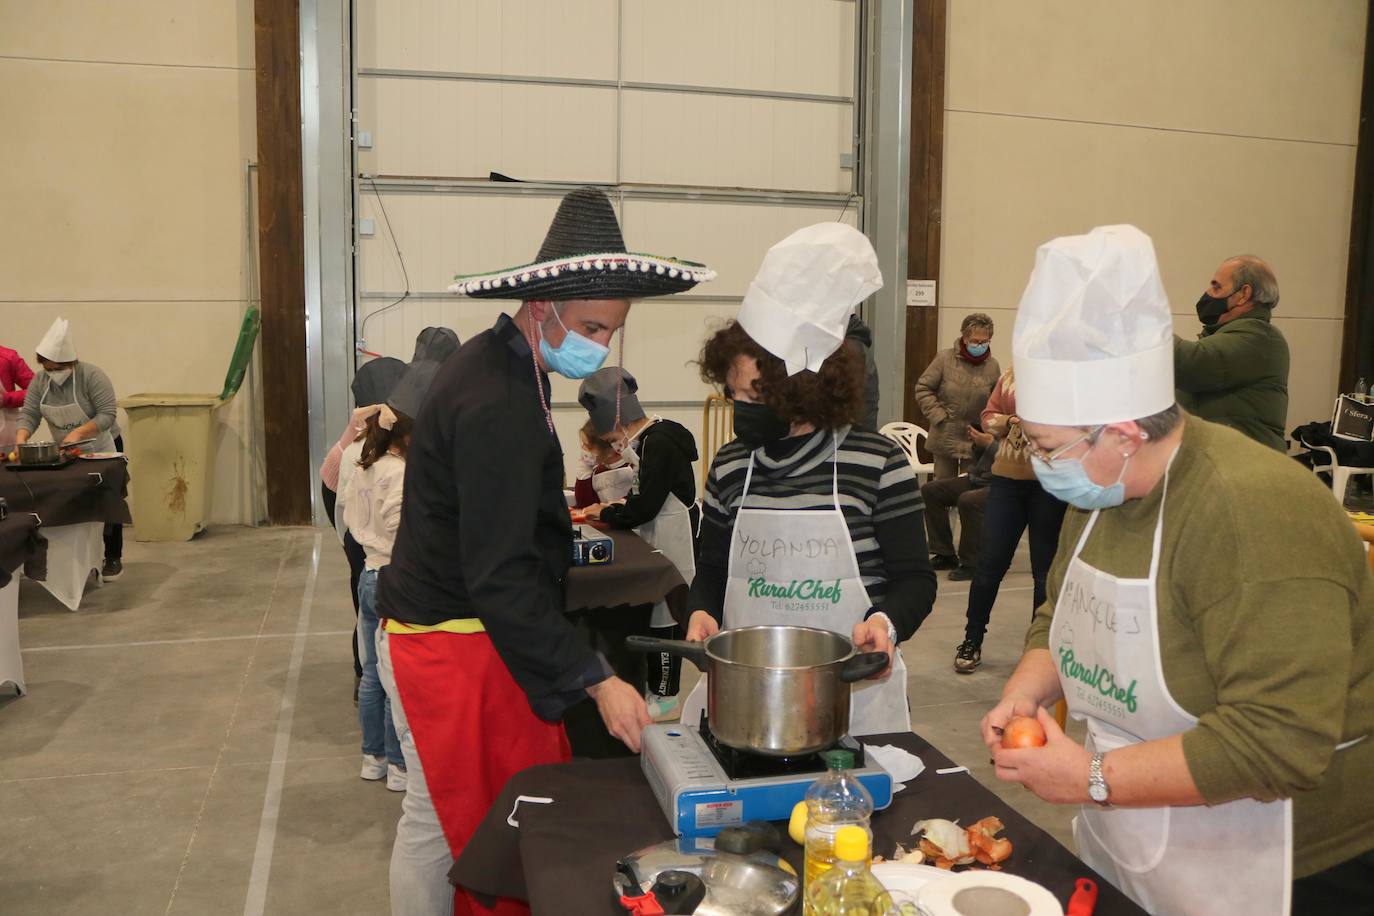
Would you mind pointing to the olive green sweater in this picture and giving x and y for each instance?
(1266, 628)
(1236, 374)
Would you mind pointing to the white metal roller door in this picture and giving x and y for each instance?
(717, 128)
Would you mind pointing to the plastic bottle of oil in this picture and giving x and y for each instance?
(848, 888)
(834, 801)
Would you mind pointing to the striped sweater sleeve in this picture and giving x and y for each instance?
(707, 592)
(899, 528)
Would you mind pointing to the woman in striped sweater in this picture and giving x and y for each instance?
(832, 533)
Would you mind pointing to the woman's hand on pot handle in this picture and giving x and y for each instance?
(871, 636)
(701, 626)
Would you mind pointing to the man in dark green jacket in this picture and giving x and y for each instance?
(1236, 372)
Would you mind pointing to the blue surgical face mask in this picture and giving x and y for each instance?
(976, 349)
(1068, 480)
(576, 356)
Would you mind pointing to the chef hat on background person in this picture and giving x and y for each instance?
(436, 343)
(798, 305)
(1094, 339)
(57, 344)
(598, 395)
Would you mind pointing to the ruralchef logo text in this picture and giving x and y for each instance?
(796, 590)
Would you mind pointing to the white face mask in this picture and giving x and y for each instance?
(60, 376)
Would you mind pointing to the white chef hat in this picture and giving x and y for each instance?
(798, 305)
(57, 345)
(1094, 340)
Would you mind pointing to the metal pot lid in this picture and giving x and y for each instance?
(757, 884)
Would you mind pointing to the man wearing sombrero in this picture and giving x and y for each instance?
(476, 652)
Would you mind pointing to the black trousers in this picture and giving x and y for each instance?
(970, 499)
(1012, 507)
(114, 533)
(1346, 889)
(357, 557)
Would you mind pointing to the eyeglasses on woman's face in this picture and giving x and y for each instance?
(1090, 437)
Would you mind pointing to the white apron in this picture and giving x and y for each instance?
(614, 484)
(1217, 860)
(670, 533)
(809, 552)
(63, 418)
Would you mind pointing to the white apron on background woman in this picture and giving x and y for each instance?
(1105, 631)
(670, 533)
(812, 547)
(63, 417)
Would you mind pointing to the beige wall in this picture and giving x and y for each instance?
(1219, 128)
(457, 129)
(129, 126)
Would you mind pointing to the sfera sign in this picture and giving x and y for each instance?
(1353, 419)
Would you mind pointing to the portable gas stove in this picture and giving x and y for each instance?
(704, 786)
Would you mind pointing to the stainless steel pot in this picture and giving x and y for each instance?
(779, 691)
(39, 453)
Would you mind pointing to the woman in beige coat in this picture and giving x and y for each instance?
(952, 392)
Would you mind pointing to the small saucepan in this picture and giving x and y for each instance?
(775, 690)
(39, 453)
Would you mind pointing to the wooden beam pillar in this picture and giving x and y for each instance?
(1357, 344)
(927, 167)
(281, 256)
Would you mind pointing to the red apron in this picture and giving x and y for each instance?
(473, 729)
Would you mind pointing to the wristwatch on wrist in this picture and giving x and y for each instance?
(1097, 783)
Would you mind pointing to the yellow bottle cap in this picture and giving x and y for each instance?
(851, 844)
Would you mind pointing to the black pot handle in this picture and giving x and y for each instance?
(861, 666)
(694, 652)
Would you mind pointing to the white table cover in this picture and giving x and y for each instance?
(11, 662)
(73, 552)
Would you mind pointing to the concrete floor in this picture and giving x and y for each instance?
(189, 744)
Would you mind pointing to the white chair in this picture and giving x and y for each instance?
(1324, 459)
(908, 435)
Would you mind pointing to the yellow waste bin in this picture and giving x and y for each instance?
(170, 444)
(170, 463)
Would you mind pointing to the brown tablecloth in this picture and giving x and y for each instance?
(19, 541)
(562, 857)
(83, 491)
(636, 575)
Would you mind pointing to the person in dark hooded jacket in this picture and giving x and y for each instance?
(660, 504)
(862, 337)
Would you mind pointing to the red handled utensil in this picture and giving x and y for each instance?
(1084, 899)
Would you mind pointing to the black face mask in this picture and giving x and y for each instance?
(758, 424)
(1210, 308)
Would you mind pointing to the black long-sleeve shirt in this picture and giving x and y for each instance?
(484, 528)
(879, 499)
(666, 452)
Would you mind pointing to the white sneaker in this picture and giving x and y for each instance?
(374, 768)
(395, 778)
(659, 707)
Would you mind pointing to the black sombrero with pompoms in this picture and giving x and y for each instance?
(584, 257)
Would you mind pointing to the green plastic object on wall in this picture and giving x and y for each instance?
(243, 353)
